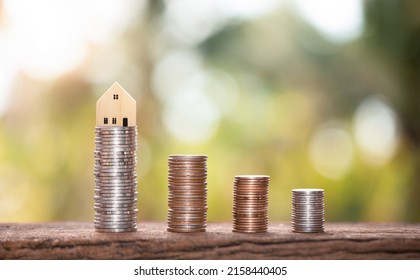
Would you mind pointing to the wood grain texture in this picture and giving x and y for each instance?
(76, 240)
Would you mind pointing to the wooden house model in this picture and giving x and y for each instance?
(116, 108)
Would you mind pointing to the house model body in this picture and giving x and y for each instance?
(116, 108)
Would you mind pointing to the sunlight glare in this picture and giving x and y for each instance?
(338, 20)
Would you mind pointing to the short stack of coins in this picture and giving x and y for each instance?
(250, 203)
(308, 210)
(116, 179)
(187, 198)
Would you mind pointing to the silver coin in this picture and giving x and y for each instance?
(115, 162)
(115, 158)
(112, 222)
(102, 225)
(116, 185)
(114, 145)
(115, 207)
(120, 214)
(121, 170)
(114, 196)
(112, 203)
(129, 190)
(115, 153)
(106, 198)
(122, 199)
(116, 148)
(115, 129)
(308, 210)
(115, 226)
(120, 190)
(108, 137)
(115, 174)
(115, 132)
(177, 230)
(116, 217)
(120, 164)
(118, 169)
(112, 231)
(116, 188)
(184, 157)
(101, 139)
(116, 180)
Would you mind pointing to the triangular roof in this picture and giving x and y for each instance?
(115, 106)
(116, 88)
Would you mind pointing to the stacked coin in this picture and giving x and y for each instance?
(116, 179)
(187, 199)
(250, 203)
(308, 210)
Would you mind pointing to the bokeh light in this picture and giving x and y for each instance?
(331, 151)
(315, 93)
(339, 20)
(376, 131)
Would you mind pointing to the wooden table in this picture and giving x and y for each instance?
(78, 240)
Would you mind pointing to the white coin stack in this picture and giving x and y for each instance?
(308, 210)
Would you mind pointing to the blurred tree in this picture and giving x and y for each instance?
(294, 55)
(274, 79)
(393, 32)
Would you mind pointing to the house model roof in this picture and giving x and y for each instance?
(116, 108)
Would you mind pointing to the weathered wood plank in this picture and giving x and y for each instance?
(74, 240)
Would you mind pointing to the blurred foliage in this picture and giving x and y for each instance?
(275, 81)
(393, 33)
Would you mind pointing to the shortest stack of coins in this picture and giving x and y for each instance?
(116, 179)
(187, 199)
(250, 203)
(308, 210)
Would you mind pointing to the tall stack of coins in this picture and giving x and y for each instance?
(187, 199)
(116, 179)
(250, 203)
(308, 210)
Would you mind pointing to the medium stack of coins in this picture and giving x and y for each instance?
(250, 203)
(187, 199)
(308, 210)
(116, 179)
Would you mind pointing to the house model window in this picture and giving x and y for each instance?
(116, 108)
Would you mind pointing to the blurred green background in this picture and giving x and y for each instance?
(314, 93)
